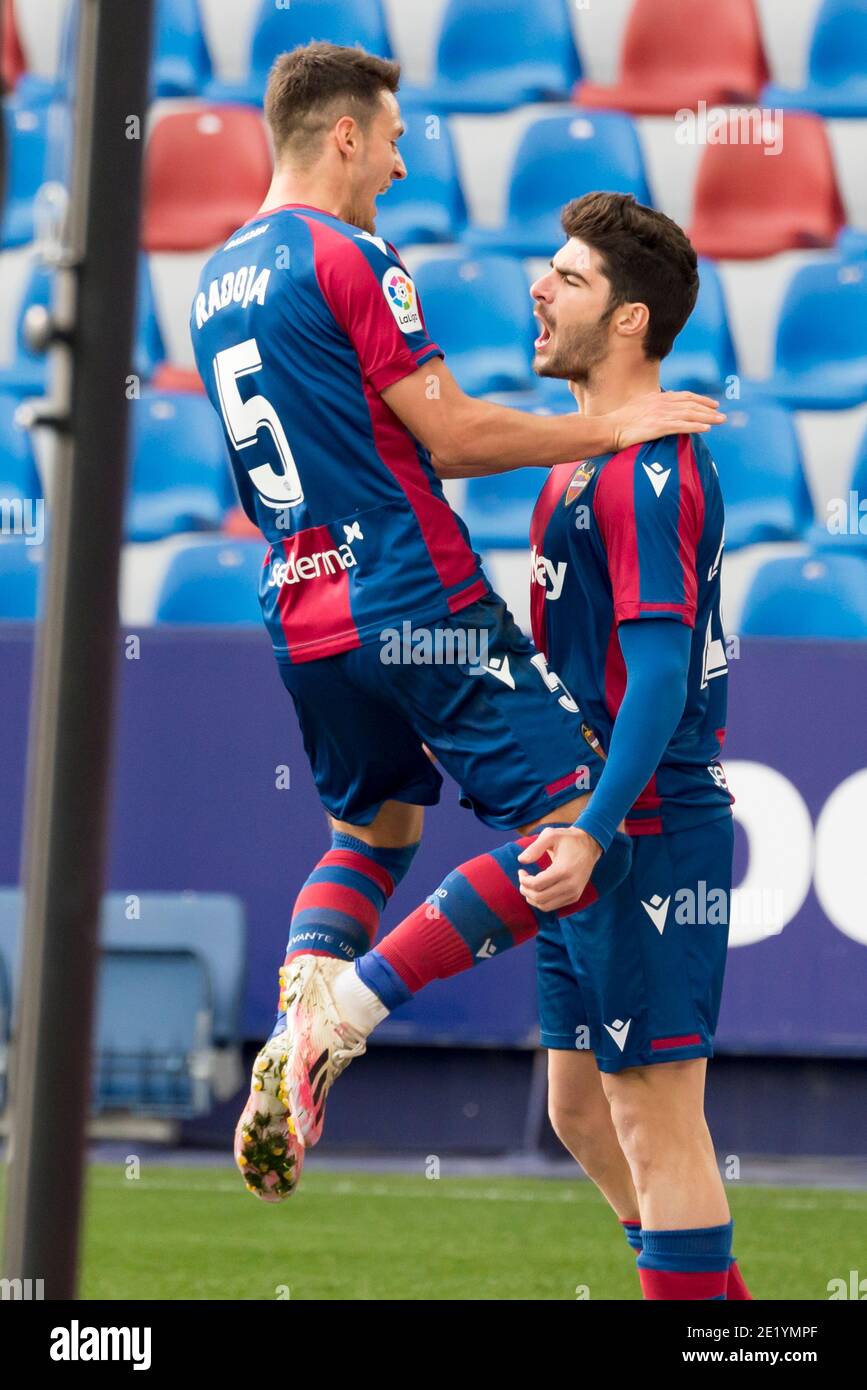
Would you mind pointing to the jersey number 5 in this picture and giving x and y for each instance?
(244, 420)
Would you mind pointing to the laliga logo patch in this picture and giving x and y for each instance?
(400, 296)
(580, 478)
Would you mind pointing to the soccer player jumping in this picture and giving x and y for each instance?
(312, 345)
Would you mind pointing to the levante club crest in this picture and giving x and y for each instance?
(580, 478)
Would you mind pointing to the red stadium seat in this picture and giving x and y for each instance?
(12, 60)
(677, 52)
(207, 170)
(748, 203)
(238, 525)
(169, 377)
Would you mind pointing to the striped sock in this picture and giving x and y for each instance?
(338, 909)
(691, 1264)
(632, 1231)
(736, 1288)
(477, 912)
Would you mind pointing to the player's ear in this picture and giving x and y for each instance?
(632, 320)
(346, 135)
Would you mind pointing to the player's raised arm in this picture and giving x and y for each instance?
(468, 437)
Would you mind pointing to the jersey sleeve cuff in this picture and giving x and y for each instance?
(401, 367)
(593, 825)
(679, 612)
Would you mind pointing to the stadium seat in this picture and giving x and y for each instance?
(679, 52)
(478, 309)
(496, 54)
(185, 951)
(215, 582)
(211, 925)
(844, 526)
(837, 67)
(852, 243)
(821, 344)
(278, 29)
(703, 354)
(180, 474)
(761, 475)
(21, 575)
(808, 596)
(748, 203)
(170, 377)
(189, 203)
(560, 158)
(18, 476)
(181, 65)
(13, 64)
(180, 62)
(238, 525)
(152, 1060)
(429, 205)
(497, 509)
(26, 144)
(27, 374)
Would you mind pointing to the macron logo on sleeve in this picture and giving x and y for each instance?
(658, 476)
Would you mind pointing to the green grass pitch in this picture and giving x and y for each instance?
(195, 1233)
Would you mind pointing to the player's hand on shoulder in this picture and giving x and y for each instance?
(660, 413)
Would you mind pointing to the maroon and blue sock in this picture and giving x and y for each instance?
(477, 912)
(337, 911)
(736, 1289)
(686, 1265)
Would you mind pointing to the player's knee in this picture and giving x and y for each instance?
(575, 1125)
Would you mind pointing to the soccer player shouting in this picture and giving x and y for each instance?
(629, 988)
(312, 345)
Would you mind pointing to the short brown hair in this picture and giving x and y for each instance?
(306, 85)
(646, 258)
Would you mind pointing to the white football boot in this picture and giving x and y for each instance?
(324, 1043)
(268, 1149)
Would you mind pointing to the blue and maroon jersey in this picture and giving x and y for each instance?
(622, 537)
(299, 323)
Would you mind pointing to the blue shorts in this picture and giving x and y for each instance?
(638, 976)
(498, 721)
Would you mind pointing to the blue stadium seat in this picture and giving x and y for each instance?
(821, 348)
(560, 158)
(18, 476)
(214, 582)
(852, 243)
(180, 474)
(703, 354)
(497, 510)
(837, 67)
(478, 309)
(814, 596)
(27, 374)
(276, 30)
(181, 62)
(180, 65)
(429, 205)
(496, 54)
(184, 951)
(26, 144)
(844, 526)
(21, 576)
(152, 1059)
(761, 475)
(211, 925)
